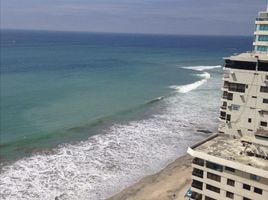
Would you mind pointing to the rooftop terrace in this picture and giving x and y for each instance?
(237, 150)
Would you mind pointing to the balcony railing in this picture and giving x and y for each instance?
(223, 107)
(198, 174)
(198, 161)
(197, 185)
(262, 133)
(262, 19)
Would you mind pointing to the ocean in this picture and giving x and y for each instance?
(83, 115)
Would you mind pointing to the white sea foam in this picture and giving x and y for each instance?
(106, 163)
(202, 68)
(192, 86)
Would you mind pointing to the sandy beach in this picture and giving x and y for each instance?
(172, 182)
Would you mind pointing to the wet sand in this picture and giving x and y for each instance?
(172, 182)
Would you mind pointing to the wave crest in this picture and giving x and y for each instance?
(192, 86)
(202, 68)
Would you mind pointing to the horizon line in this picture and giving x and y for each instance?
(134, 33)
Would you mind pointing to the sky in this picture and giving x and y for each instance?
(195, 17)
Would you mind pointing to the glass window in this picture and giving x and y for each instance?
(229, 169)
(258, 190)
(255, 177)
(212, 188)
(198, 161)
(197, 184)
(261, 48)
(230, 182)
(246, 186)
(198, 172)
(196, 196)
(265, 101)
(209, 198)
(263, 27)
(214, 177)
(228, 118)
(263, 123)
(237, 87)
(263, 38)
(264, 89)
(214, 166)
(230, 195)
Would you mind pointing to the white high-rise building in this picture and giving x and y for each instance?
(260, 43)
(234, 164)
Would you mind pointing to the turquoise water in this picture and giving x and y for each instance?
(106, 108)
(54, 83)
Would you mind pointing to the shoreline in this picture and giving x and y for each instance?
(170, 183)
(166, 184)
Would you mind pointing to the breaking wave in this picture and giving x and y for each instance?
(192, 86)
(202, 68)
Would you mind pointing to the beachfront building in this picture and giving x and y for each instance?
(230, 168)
(260, 43)
(244, 108)
(234, 163)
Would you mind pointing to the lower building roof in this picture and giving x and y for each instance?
(237, 150)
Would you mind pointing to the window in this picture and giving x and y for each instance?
(197, 184)
(264, 89)
(196, 196)
(254, 97)
(214, 177)
(214, 166)
(197, 172)
(261, 48)
(263, 123)
(258, 190)
(230, 195)
(237, 87)
(263, 27)
(222, 115)
(198, 161)
(245, 198)
(249, 120)
(255, 177)
(265, 101)
(228, 118)
(235, 107)
(212, 188)
(230, 96)
(263, 38)
(246, 187)
(209, 198)
(230, 182)
(229, 169)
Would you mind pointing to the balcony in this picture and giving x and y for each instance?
(197, 172)
(261, 133)
(197, 184)
(199, 161)
(223, 107)
(262, 19)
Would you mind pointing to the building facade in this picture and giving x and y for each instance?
(244, 108)
(234, 164)
(261, 34)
